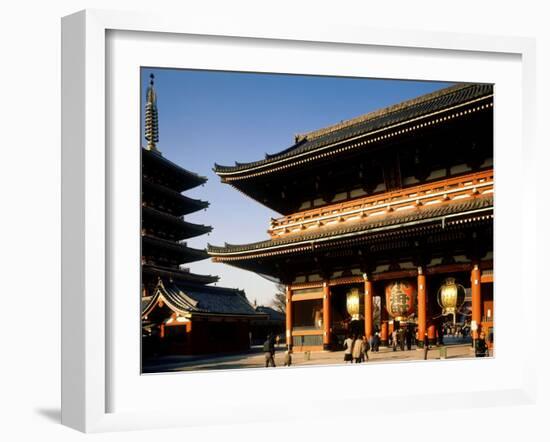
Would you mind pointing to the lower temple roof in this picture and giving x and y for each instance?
(188, 299)
(391, 221)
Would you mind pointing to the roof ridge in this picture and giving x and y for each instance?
(311, 135)
(170, 163)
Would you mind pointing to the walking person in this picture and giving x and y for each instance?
(348, 348)
(376, 342)
(357, 352)
(401, 339)
(269, 351)
(371, 342)
(394, 340)
(426, 343)
(366, 348)
(408, 338)
(288, 358)
(481, 346)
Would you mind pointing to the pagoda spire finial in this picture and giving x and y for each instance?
(151, 117)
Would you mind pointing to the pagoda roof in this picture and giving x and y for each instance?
(330, 138)
(179, 274)
(189, 299)
(187, 254)
(368, 227)
(189, 230)
(187, 205)
(187, 178)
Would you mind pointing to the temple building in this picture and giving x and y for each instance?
(273, 324)
(386, 221)
(181, 312)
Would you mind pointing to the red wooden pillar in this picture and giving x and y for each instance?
(476, 298)
(368, 307)
(383, 324)
(288, 316)
(421, 282)
(431, 334)
(327, 317)
(384, 333)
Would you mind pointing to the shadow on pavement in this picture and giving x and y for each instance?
(51, 414)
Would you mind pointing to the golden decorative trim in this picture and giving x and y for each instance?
(466, 186)
(341, 239)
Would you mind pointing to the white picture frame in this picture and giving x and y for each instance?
(90, 318)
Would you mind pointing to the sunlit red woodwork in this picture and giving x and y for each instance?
(421, 283)
(476, 297)
(368, 308)
(327, 320)
(466, 186)
(289, 317)
(384, 333)
(432, 334)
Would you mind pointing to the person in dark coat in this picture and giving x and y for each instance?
(408, 338)
(371, 342)
(288, 358)
(481, 346)
(269, 351)
(376, 342)
(426, 343)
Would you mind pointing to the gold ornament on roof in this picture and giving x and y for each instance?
(151, 117)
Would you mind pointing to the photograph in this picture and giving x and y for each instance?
(304, 220)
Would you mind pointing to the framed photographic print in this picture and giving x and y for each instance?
(249, 207)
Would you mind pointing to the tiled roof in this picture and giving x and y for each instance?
(408, 110)
(189, 254)
(179, 274)
(191, 178)
(274, 315)
(191, 229)
(394, 219)
(190, 205)
(189, 298)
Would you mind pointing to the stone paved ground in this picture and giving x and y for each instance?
(257, 359)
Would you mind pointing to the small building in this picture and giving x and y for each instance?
(199, 319)
(182, 313)
(272, 324)
(386, 220)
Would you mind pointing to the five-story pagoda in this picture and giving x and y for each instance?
(181, 312)
(163, 227)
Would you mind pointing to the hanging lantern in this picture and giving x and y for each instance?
(353, 304)
(400, 299)
(450, 297)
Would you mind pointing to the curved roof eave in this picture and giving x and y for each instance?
(380, 120)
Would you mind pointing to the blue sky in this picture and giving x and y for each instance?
(208, 117)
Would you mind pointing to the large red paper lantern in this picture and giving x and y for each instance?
(400, 299)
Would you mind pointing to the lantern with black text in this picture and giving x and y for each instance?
(400, 299)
